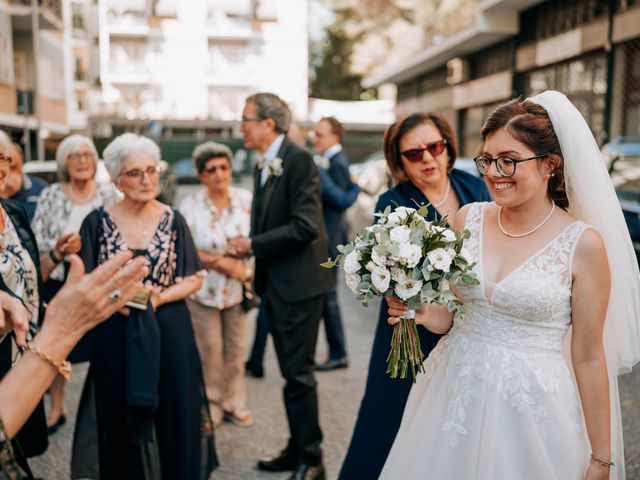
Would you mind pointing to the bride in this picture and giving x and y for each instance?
(498, 399)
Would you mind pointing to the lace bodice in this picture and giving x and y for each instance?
(531, 306)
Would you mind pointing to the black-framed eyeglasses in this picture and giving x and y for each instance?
(415, 155)
(214, 168)
(250, 119)
(506, 166)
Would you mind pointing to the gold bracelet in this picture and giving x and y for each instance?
(63, 367)
(602, 462)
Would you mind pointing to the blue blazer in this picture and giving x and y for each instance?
(338, 194)
(384, 398)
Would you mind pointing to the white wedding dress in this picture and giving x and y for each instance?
(498, 401)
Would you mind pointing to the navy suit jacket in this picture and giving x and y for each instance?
(338, 194)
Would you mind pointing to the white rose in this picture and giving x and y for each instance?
(399, 276)
(352, 279)
(393, 219)
(352, 262)
(380, 277)
(440, 259)
(409, 289)
(410, 254)
(400, 234)
(378, 259)
(449, 236)
(403, 212)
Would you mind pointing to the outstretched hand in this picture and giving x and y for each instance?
(86, 300)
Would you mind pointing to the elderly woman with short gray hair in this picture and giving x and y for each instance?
(214, 215)
(59, 213)
(143, 410)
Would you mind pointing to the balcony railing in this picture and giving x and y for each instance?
(53, 6)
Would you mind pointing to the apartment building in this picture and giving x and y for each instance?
(588, 49)
(177, 68)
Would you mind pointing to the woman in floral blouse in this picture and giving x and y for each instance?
(214, 215)
(60, 211)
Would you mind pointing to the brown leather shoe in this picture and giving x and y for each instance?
(305, 471)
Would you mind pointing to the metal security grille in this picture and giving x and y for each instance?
(583, 80)
(627, 89)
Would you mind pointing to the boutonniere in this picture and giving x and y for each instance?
(322, 162)
(275, 167)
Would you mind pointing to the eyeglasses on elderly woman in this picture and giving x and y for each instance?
(415, 155)
(138, 173)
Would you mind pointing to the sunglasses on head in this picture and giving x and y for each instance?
(416, 154)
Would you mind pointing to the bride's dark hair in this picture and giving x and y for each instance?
(529, 124)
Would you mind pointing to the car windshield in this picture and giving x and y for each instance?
(625, 176)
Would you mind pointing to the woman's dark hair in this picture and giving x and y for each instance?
(396, 131)
(208, 150)
(529, 123)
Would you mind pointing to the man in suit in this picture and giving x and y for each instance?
(289, 243)
(338, 194)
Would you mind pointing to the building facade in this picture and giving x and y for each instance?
(588, 49)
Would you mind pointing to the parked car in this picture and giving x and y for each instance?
(48, 170)
(622, 157)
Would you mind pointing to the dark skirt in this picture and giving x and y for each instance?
(381, 408)
(102, 447)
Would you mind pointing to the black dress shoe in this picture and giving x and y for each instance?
(51, 429)
(254, 369)
(333, 364)
(283, 462)
(305, 471)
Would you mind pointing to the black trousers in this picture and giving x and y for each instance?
(294, 327)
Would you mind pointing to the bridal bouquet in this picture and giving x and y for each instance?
(407, 256)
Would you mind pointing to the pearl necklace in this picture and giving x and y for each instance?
(444, 196)
(533, 230)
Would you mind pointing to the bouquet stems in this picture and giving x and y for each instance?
(406, 351)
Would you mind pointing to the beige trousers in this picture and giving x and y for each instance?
(221, 336)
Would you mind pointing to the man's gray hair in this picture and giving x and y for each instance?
(208, 150)
(125, 145)
(5, 141)
(69, 146)
(270, 105)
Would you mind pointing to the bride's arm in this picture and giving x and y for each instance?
(589, 301)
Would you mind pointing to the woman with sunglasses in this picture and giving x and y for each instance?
(214, 215)
(421, 151)
(142, 413)
(499, 399)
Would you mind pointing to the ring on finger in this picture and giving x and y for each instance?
(115, 294)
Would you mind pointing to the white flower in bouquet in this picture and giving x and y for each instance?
(377, 258)
(370, 266)
(352, 280)
(404, 212)
(400, 234)
(440, 259)
(398, 275)
(409, 254)
(448, 236)
(393, 219)
(352, 262)
(381, 278)
(409, 289)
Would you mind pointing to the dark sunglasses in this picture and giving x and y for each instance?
(214, 168)
(416, 154)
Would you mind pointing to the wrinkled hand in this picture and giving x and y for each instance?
(239, 247)
(13, 316)
(84, 301)
(68, 243)
(156, 296)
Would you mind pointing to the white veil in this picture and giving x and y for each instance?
(593, 200)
